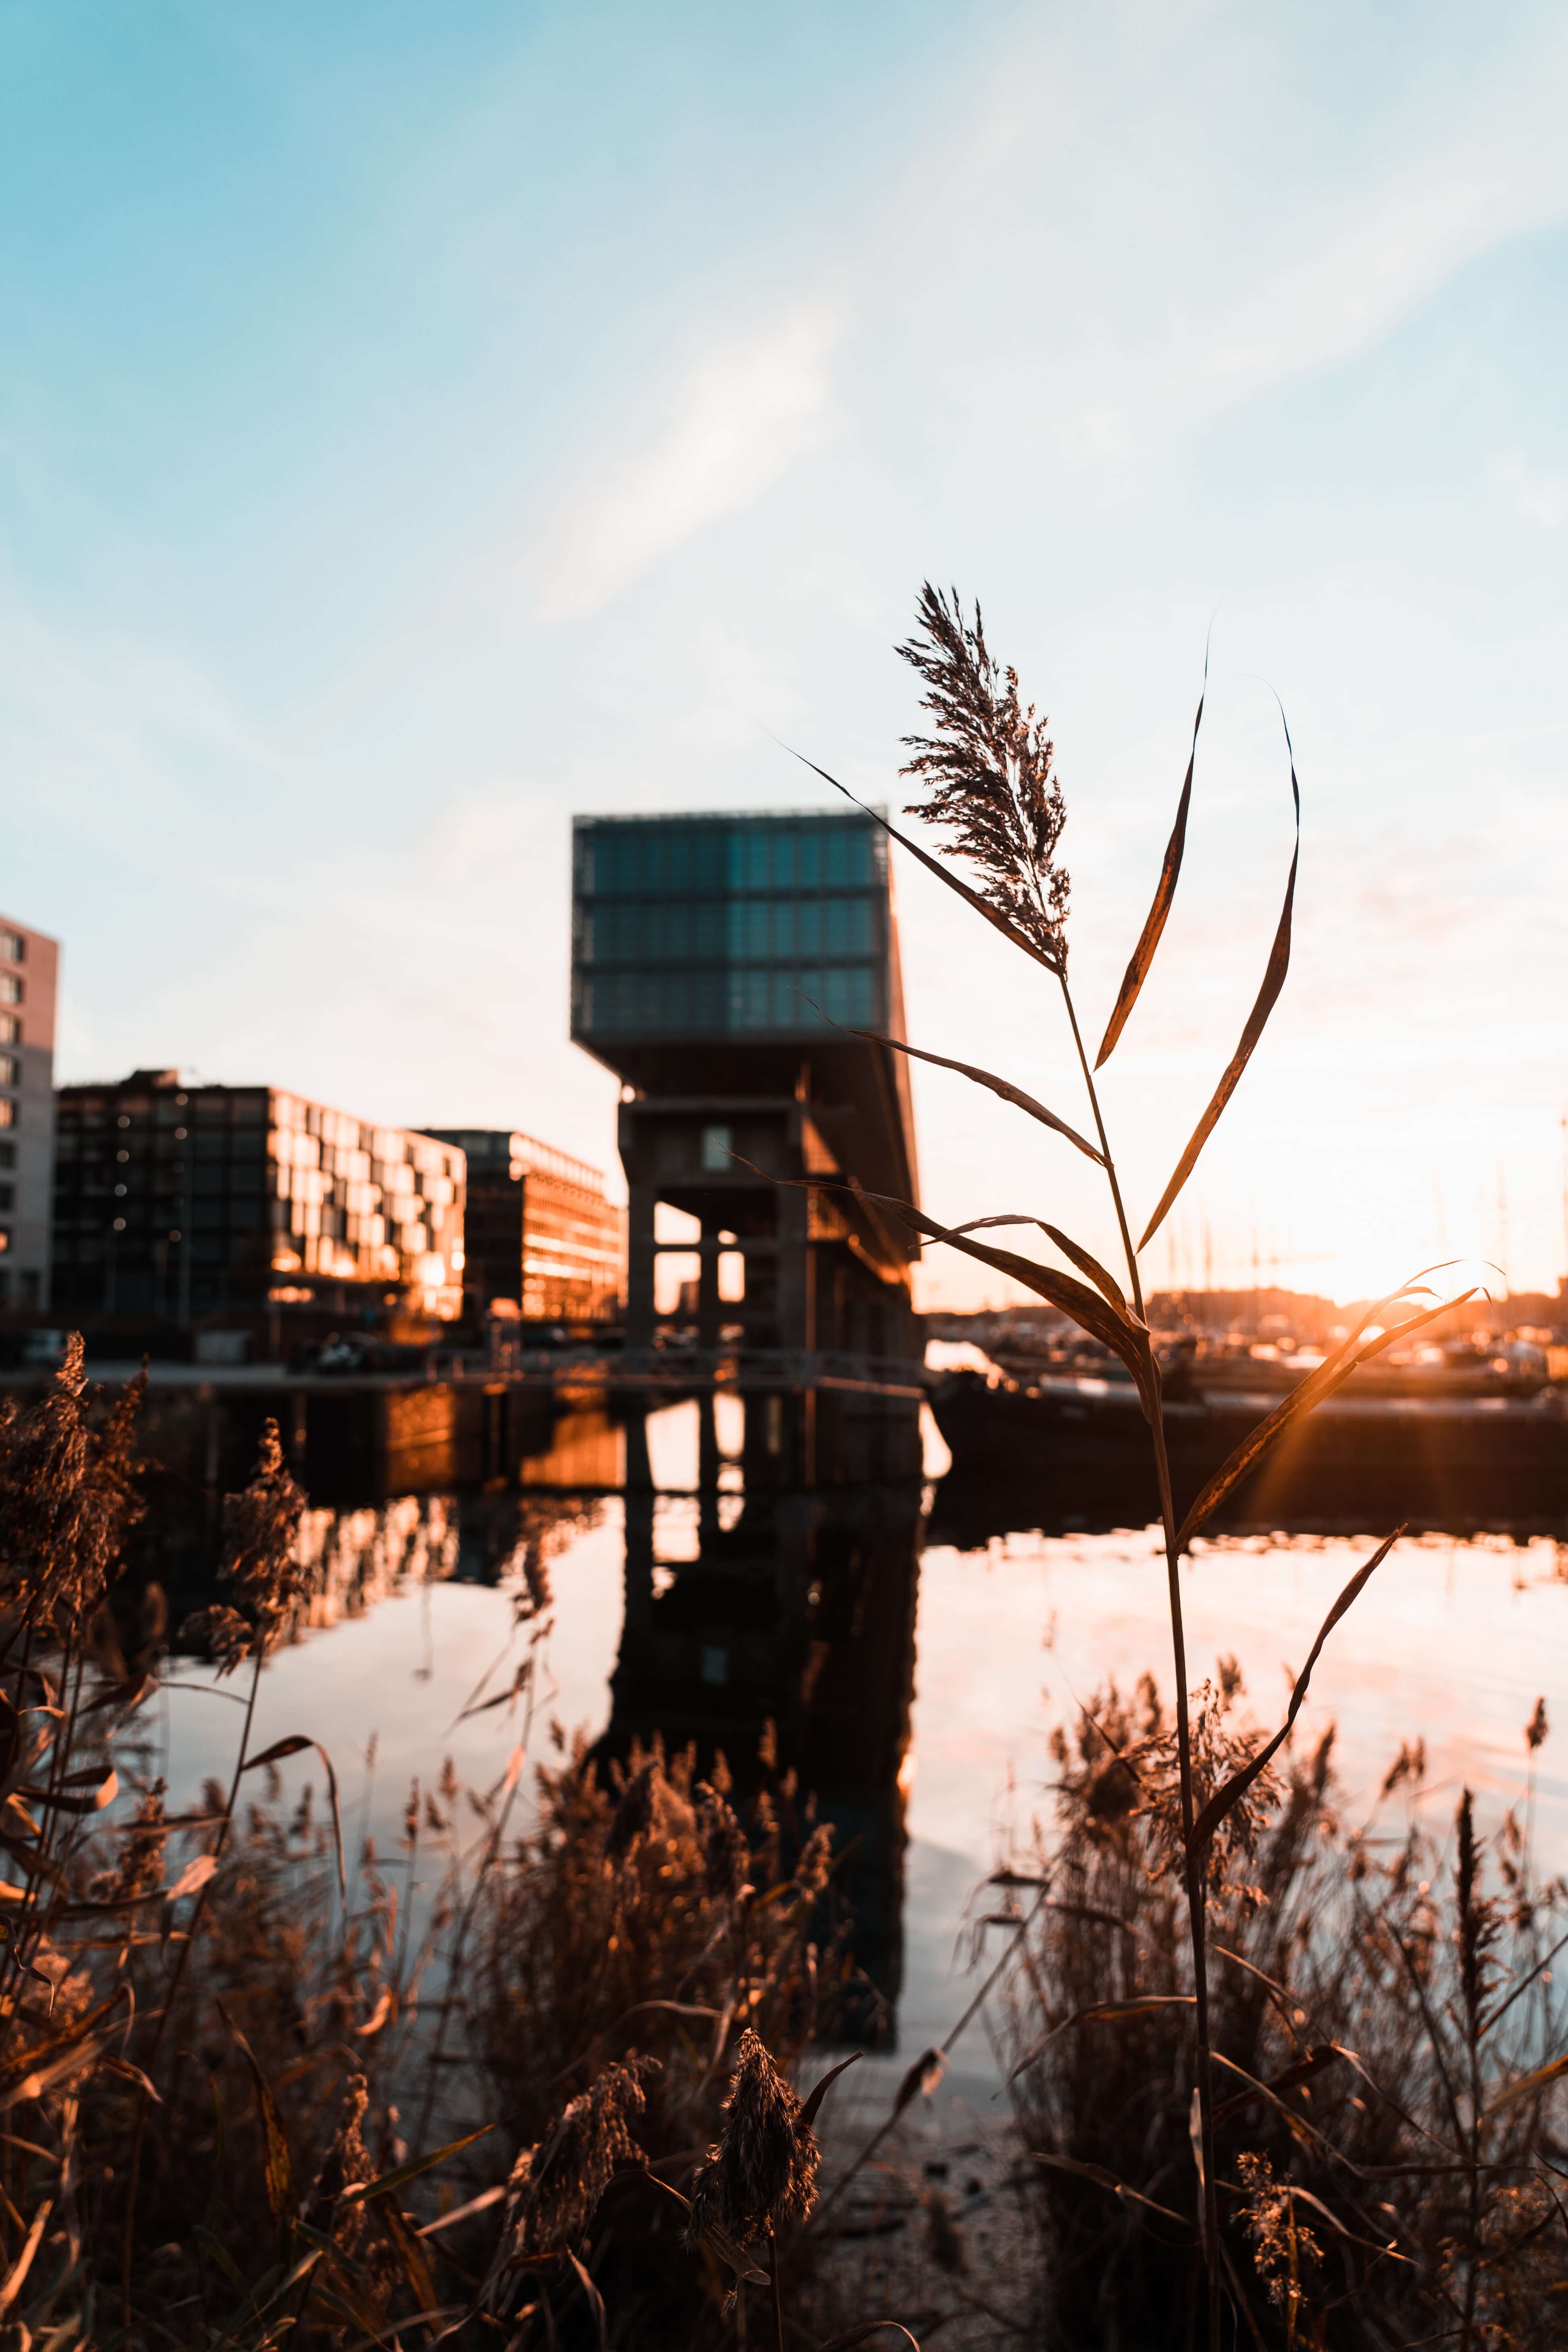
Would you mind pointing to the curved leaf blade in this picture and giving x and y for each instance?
(1137, 971)
(1002, 1087)
(1140, 2004)
(811, 2106)
(1105, 1282)
(1087, 1308)
(1267, 997)
(1314, 1390)
(1232, 1792)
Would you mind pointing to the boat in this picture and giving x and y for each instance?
(1454, 1439)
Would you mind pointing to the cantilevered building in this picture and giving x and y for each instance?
(712, 956)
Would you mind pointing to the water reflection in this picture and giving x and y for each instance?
(781, 1624)
(704, 1604)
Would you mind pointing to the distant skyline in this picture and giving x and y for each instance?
(419, 426)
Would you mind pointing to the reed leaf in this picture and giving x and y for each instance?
(1236, 1787)
(1268, 996)
(867, 2328)
(1142, 957)
(1104, 2177)
(103, 1790)
(1107, 2012)
(1305, 2070)
(1529, 2083)
(1087, 1308)
(1104, 1281)
(411, 2170)
(293, 1745)
(412, 2257)
(1300, 1401)
(277, 2165)
(992, 914)
(1002, 1087)
(811, 2106)
(17, 2275)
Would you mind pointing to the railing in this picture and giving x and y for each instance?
(687, 1368)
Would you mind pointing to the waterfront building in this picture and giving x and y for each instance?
(29, 974)
(720, 964)
(173, 1201)
(542, 1239)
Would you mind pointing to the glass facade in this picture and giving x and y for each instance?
(713, 926)
(541, 1236)
(173, 1201)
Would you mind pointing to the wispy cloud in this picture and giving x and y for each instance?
(1535, 495)
(746, 412)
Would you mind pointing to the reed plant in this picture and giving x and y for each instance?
(246, 2100)
(1389, 2143)
(987, 780)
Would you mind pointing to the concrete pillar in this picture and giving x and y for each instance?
(640, 1265)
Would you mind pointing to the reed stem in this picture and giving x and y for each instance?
(1196, 1905)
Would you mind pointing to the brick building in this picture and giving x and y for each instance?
(29, 972)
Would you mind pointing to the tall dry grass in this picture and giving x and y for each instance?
(987, 776)
(245, 2099)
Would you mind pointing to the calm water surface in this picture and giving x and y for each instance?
(1452, 1643)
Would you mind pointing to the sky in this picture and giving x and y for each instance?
(417, 425)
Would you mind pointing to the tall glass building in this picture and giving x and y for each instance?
(718, 963)
(717, 926)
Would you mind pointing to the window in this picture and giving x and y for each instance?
(10, 988)
(716, 1148)
(10, 1029)
(10, 1070)
(13, 947)
(7, 1111)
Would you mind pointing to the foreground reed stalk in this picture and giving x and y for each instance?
(988, 778)
(1197, 1917)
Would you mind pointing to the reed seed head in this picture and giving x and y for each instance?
(556, 2184)
(987, 773)
(260, 1561)
(726, 1855)
(763, 2170)
(67, 1498)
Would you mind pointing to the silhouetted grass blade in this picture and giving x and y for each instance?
(1268, 996)
(1002, 1087)
(1087, 1310)
(1103, 1281)
(1236, 1787)
(1137, 971)
(998, 921)
(1300, 1401)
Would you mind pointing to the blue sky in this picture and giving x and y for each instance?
(419, 424)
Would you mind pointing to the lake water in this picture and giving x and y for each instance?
(932, 1676)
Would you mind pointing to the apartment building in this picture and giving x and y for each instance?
(174, 1200)
(540, 1232)
(30, 974)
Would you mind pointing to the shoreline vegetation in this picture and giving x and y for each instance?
(1280, 2075)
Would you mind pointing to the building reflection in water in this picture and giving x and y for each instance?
(751, 1603)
